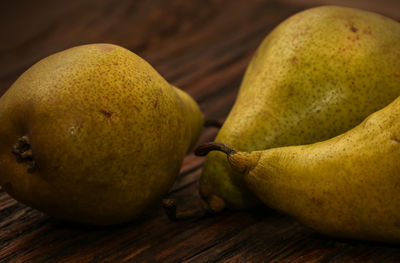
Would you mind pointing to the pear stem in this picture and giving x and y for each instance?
(204, 149)
(212, 123)
(182, 212)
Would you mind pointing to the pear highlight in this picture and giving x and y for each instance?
(315, 76)
(94, 135)
(345, 187)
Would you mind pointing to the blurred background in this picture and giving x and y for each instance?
(187, 41)
(203, 47)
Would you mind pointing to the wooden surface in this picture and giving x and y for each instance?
(202, 47)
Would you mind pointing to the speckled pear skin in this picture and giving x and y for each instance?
(316, 75)
(107, 133)
(347, 186)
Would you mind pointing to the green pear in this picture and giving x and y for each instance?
(347, 186)
(94, 135)
(317, 75)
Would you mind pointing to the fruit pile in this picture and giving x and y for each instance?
(95, 135)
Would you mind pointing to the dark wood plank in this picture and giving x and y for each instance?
(202, 47)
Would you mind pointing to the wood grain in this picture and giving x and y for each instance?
(203, 47)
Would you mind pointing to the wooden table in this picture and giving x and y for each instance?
(202, 47)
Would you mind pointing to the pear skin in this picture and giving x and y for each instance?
(345, 187)
(316, 75)
(94, 135)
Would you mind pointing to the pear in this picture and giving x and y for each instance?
(94, 135)
(317, 75)
(347, 186)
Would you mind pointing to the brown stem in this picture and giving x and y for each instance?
(212, 123)
(183, 212)
(204, 149)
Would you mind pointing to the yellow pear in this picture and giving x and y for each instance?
(316, 75)
(94, 134)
